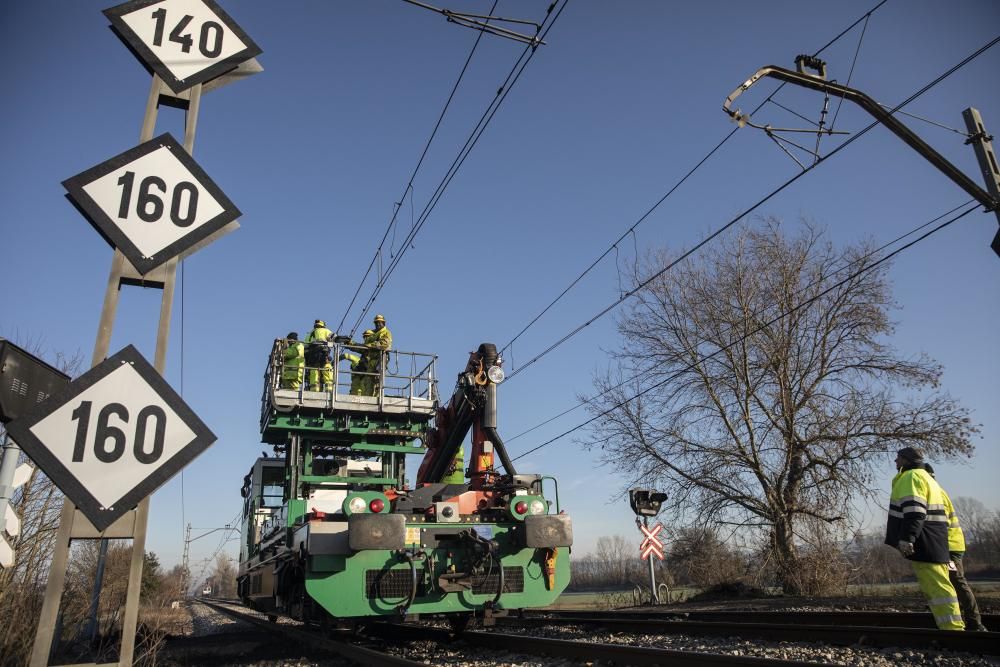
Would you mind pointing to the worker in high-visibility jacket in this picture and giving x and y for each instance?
(293, 358)
(360, 380)
(918, 528)
(381, 343)
(956, 570)
(318, 357)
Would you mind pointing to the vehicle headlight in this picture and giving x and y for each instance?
(495, 374)
(537, 507)
(357, 505)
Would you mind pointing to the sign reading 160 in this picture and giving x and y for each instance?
(149, 204)
(110, 441)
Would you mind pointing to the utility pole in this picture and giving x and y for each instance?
(983, 145)
(185, 561)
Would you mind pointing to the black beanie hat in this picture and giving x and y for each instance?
(911, 455)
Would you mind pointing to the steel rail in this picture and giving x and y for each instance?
(865, 618)
(985, 643)
(343, 648)
(591, 652)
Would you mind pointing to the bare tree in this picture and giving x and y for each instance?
(698, 556)
(224, 577)
(758, 420)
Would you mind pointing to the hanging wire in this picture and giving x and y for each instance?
(978, 52)
(756, 316)
(742, 338)
(673, 189)
(416, 169)
(512, 78)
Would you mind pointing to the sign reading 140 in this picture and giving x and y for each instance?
(112, 436)
(152, 202)
(210, 33)
(185, 42)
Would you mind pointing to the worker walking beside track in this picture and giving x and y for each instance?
(956, 570)
(918, 528)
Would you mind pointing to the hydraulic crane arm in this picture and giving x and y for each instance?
(818, 82)
(472, 406)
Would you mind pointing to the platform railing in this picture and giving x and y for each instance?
(391, 377)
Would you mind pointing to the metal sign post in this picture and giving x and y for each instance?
(650, 545)
(133, 525)
(186, 43)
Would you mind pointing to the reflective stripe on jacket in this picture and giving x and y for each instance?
(917, 514)
(956, 538)
(321, 334)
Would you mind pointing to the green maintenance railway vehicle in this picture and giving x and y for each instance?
(332, 532)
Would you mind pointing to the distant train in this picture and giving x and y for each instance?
(207, 590)
(332, 532)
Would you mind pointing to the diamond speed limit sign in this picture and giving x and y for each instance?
(185, 42)
(112, 436)
(152, 202)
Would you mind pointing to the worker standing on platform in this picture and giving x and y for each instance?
(918, 528)
(380, 345)
(318, 357)
(956, 570)
(359, 366)
(294, 357)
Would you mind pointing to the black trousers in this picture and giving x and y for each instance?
(966, 598)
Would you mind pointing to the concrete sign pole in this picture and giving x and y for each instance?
(72, 523)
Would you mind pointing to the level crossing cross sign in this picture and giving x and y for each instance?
(112, 436)
(152, 202)
(185, 42)
(651, 543)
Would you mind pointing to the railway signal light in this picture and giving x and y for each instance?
(646, 502)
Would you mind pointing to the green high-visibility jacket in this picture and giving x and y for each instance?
(917, 514)
(294, 354)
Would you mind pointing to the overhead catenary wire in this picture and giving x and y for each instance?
(512, 77)
(761, 327)
(677, 185)
(978, 52)
(409, 184)
(756, 316)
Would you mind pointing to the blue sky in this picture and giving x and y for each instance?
(623, 100)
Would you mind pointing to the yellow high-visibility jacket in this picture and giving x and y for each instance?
(956, 538)
(917, 514)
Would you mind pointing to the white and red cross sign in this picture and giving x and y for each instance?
(651, 543)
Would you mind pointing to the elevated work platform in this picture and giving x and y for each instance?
(394, 399)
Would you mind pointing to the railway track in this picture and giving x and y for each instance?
(383, 643)
(487, 646)
(865, 618)
(836, 629)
